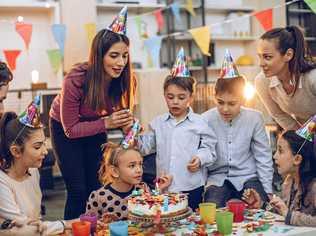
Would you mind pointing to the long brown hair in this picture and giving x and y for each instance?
(292, 37)
(100, 93)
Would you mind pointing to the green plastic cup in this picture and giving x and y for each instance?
(224, 221)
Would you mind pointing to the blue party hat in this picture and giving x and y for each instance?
(119, 23)
(180, 68)
(229, 69)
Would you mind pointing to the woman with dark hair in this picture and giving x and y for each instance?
(5, 77)
(287, 83)
(296, 164)
(22, 150)
(96, 96)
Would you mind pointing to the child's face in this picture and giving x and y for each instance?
(284, 158)
(34, 150)
(178, 100)
(228, 105)
(130, 167)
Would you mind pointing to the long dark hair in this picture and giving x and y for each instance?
(5, 74)
(307, 169)
(292, 37)
(12, 132)
(99, 93)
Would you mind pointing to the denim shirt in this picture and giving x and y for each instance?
(243, 150)
(176, 142)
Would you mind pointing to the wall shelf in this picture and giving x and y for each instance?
(131, 7)
(188, 37)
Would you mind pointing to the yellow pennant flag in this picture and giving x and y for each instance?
(189, 7)
(202, 38)
(91, 32)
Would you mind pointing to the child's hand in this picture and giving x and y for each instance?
(279, 205)
(194, 164)
(41, 227)
(252, 198)
(164, 181)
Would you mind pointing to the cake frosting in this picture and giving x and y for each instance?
(169, 204)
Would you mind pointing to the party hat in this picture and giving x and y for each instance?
(305, 131)
(31, 116)
(119, 23)
(129, 139)
(180, 68)
(229, 69)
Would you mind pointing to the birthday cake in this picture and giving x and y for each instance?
(149, 205)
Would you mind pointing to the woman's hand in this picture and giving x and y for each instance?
(164, 181)
(279, 205)
(41, 227)
(252, 198)
(118, 119)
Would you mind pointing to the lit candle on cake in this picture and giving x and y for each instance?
(157, 190)
(165, 203)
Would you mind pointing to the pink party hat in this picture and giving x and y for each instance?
(229, 69)
(119, 23)
(180, 68)
(31, 116)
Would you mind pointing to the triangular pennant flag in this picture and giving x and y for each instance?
(175, 8)
(265, 18)
(311, 4)
(25, 31)
(189, 7)
(202, 38)
(153, 46)
(159, 18)
(138, 21)
(59, 32)
(55, 59)
(11, 56)
(91, 32)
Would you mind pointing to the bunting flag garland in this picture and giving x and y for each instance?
(25, 31)
(175, 8)
(159, 19)
(59, 32)
(311, 4)
(153, 45)
(189, 7)
(11, 56)
(202, 38)
(91, 30)
(55, 59)
(265, 18)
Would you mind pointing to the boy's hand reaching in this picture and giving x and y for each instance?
(194, 164)
(252, 198)
(164, 181)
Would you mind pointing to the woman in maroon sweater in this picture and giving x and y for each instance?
(95, 97)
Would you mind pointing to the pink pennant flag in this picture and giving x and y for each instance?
(265, 18)
(11, 56)
(159, 18)
(25, 31)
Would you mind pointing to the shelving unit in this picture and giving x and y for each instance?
(300, 14)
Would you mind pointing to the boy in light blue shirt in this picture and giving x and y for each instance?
(244, 157)
(182, 139)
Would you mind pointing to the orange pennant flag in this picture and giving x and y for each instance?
(265, 18)
(159, 18)
(11, 56)
(25, 31)
(202, 38)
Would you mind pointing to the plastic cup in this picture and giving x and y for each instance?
(224, 221)
(81, 228)
(119, 228)
(208, 212)
(237, 207)
(92, 218)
